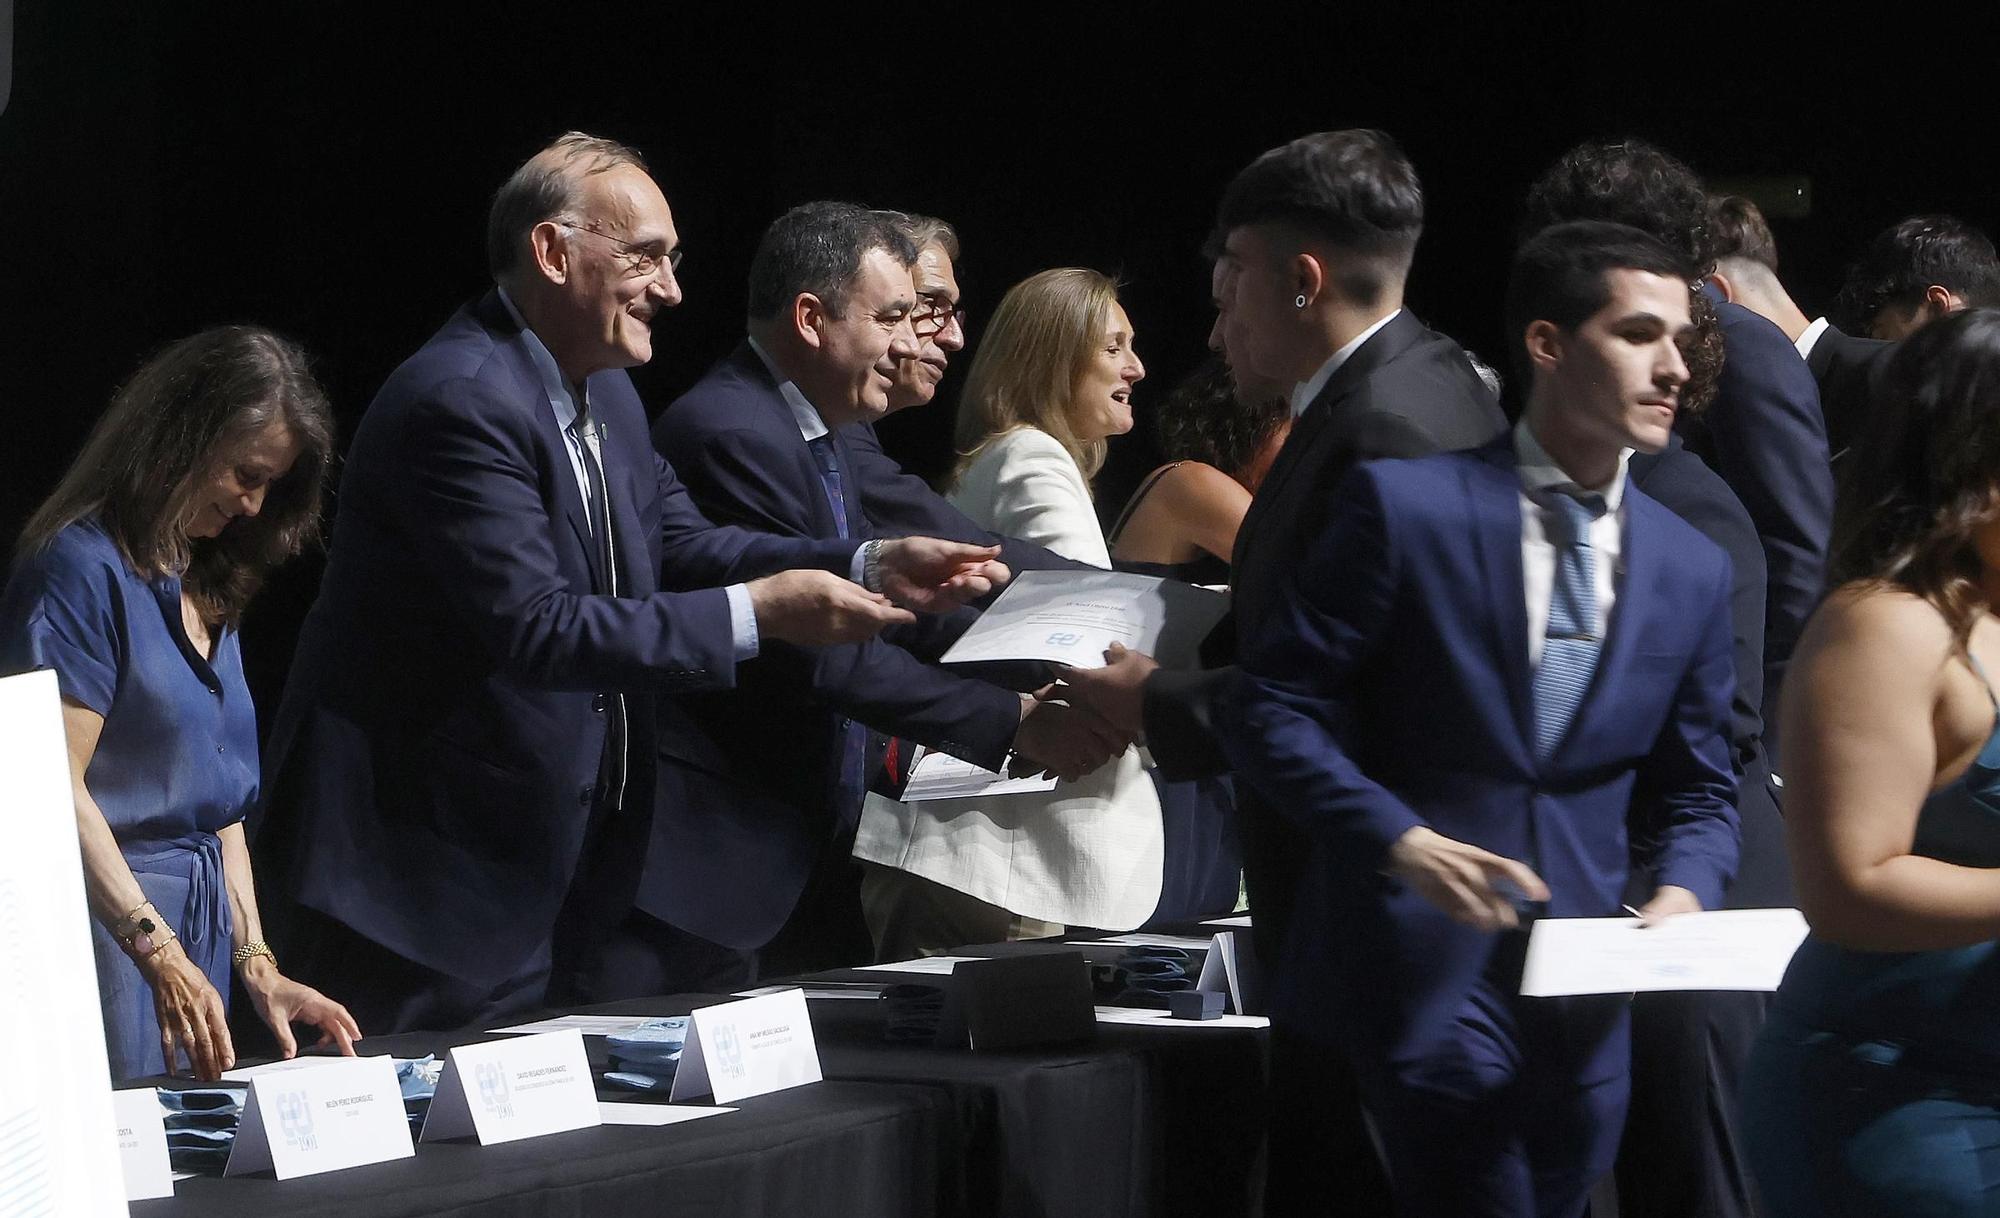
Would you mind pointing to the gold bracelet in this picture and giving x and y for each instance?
(250, 951)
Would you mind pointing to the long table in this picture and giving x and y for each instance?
(1139, 1122)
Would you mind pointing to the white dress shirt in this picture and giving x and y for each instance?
(1305, 391)
(562, 401)
(1806, 340)
(1539, 471)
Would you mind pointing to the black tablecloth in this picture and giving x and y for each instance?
(835, 1149)
(1136, 1123)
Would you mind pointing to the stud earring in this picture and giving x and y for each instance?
(1299, 301)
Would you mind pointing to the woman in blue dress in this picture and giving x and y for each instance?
(129, 582)
(1875, 1086)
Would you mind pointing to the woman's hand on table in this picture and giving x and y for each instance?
(282, 1002)
(190, 1012)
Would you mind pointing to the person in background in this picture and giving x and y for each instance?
(1052, 382)
(1219, 434)
(130, 583)
(1875, 1086)
(1916, 271)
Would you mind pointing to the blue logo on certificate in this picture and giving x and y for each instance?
(1064, 638)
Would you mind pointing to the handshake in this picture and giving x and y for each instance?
(1093, 715)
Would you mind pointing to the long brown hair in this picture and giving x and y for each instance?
(1926, 475)
(150, 453)
(1038, 345)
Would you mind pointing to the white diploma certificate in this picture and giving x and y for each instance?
(936, 775)
(1725, 949)
(1070, 617)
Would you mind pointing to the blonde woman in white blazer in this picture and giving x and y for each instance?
(1051, 382)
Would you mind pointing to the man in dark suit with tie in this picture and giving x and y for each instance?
(761, 786)
(459, 773)
(1764, 432)
(1485, 653)
(1316, 240)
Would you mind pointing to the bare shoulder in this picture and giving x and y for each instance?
(1874, 643)
(1197, 480)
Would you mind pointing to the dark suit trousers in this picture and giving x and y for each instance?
(1497, 1119)
(1683, 1150)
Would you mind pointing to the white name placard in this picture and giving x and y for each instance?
(142, 1144)
(300, 1122)
(751, 1047)
(506, 1090)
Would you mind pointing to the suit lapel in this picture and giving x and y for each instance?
(492, 312)
(1385, 344)
(1494, 494)
(1642, 567)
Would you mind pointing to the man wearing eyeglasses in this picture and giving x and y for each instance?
(761, 785)
(459, 782)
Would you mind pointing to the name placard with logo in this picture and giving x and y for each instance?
(752, 1047)
(320, 1118)
(506, 1090)
(142, 1144)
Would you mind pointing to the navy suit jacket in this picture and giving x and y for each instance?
(1685, 486)
(1392, 689)
(747, 778)
(1846, 369)
(434, 760)
(1765, 435)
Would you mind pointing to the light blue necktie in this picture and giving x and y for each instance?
(1571, 643)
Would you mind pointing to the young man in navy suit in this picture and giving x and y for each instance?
(1485, 653)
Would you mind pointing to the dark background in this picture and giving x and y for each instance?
(325, 171)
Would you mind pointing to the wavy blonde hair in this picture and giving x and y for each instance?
(1034, 351)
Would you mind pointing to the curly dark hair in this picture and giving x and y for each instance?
(1627, 182)
(1908, 257)
(1204, 419)
(1927, 475)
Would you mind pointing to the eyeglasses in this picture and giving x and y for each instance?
(934, 315)
(645, 260)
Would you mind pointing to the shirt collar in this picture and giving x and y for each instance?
(1539, 470)
(1811, 336)
(811, 426)
(560, 397)
(1305, 391)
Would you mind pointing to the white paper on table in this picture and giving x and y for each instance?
(589, 1025)
(1145, 1017)
(1185, 942)
(615, 1113)
(1070, 617)
(749, 1047)
(58, 1135)
(1724, 949)
(1242, 920)
(142, 1144)
(243, 1074)
(935, 775)
(940, 966)
(506, 1090)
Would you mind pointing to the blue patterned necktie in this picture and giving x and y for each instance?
(852, 781)
(1571, 643)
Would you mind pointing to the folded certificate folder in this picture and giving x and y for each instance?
(1070, 617)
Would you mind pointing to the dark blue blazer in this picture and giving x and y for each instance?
(1685, 486)
(1766, 436)
(747, 778)
(1392, 689)
(434, 759)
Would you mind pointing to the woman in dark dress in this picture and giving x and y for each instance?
(1875, 1086)
(1219, 437)
(129, 582)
